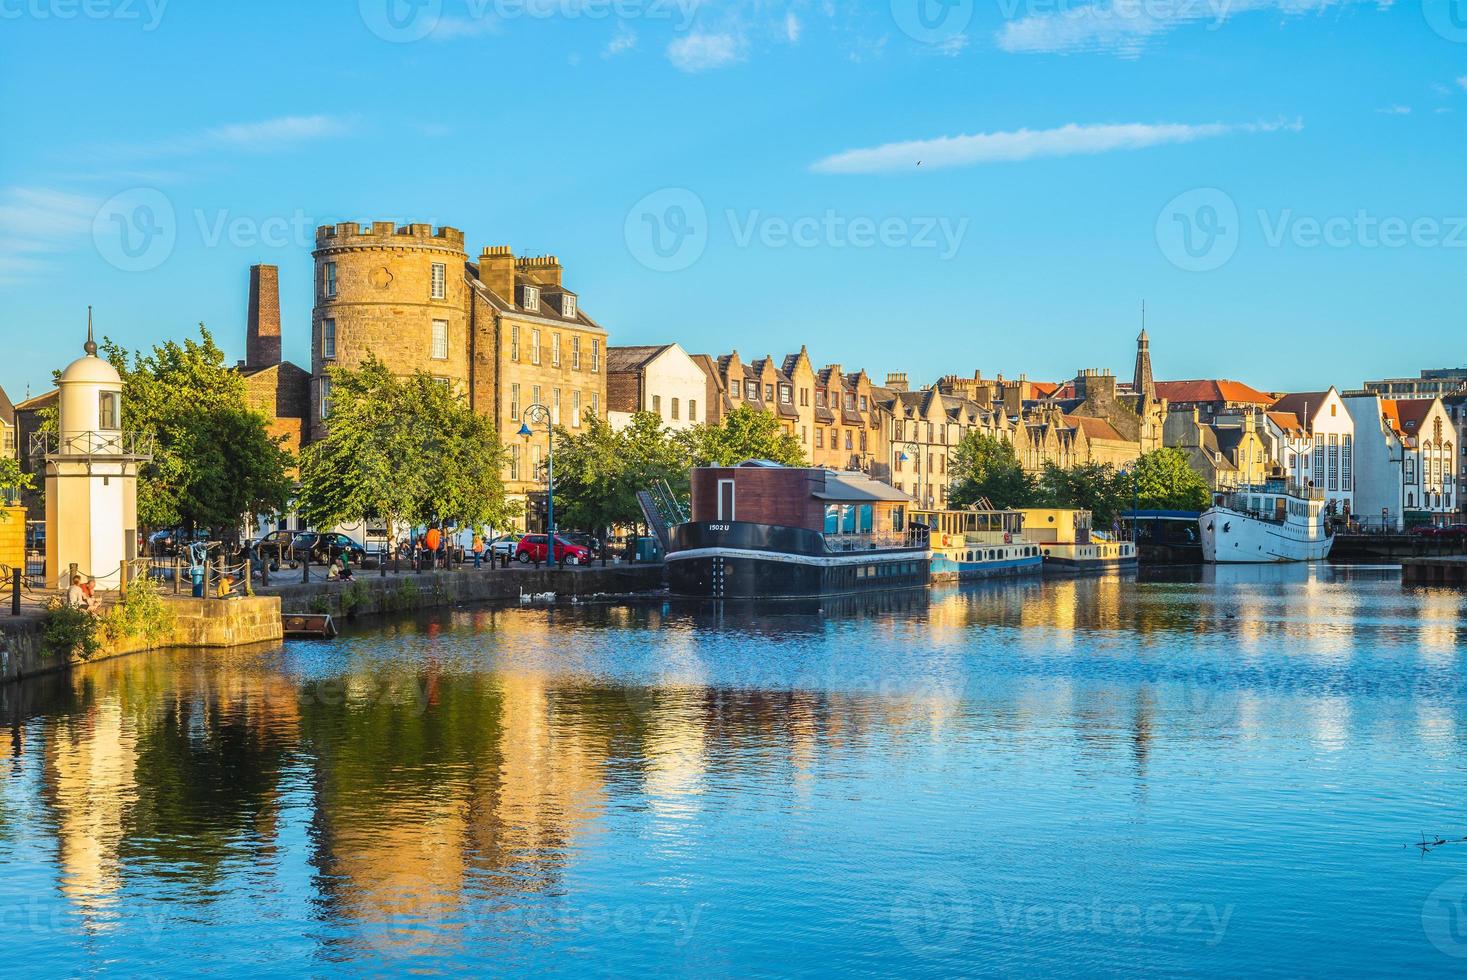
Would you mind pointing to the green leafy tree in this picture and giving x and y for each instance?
(13, 481)
(598, 471)
(1165, 481)
(214, 460)
(987, 466)
(1095, 487)
(405, 451)
(744, 433)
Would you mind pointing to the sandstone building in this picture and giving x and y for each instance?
(503, 332)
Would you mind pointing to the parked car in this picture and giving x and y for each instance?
(276, 547)
(324, 548)
(584, 540)
(535, 547)
(503, 546)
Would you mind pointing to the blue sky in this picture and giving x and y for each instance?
(1282, 183)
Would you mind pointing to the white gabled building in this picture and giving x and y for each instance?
(660, 379)
(1329, 465)
(1430, 477)
(1380, 453)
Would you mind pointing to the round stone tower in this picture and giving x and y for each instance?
(396, 292)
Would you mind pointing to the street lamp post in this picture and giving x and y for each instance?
(916, 449)
(539, 413)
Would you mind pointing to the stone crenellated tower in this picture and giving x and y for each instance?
(398, 292)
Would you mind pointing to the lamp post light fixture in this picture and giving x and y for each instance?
(903, 457)
(537, 414)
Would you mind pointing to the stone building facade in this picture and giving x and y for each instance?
(504, 332)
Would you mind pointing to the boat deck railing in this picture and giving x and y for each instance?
(876, 540)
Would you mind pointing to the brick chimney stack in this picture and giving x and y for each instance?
(262, 338)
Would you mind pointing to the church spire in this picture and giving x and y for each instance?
(1142, 381)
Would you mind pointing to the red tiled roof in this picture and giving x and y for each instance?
(1392, 415)
(1211, 390)
(1287, 421)
(1044, 389)
(1412, 412)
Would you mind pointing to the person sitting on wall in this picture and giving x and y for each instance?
(81, 596)
(342, 568)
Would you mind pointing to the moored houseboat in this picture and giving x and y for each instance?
(1164, 537)
(977, 544)
(763, 531)
(1071, 546)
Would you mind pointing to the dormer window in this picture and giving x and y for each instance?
(568, 306)
(109, 411)
(532, 299)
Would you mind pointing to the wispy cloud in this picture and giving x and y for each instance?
(253, 137)
(459, 28)
(1395, 110)
(1028, 144)
(699, 51)
(39, 222)
(1462, 82)
(791, 27)
(1125, 26)
(621, 42)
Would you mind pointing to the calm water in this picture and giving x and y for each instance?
(1098, 777)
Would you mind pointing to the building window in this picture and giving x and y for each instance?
(568, 303)
(555, 406)
(440, 280)
(692, 410)
(769, 393)
(7, 445)
(514, 462)
(850, 401)
(108, 403)
(863, 403)
(576, 409)
(532, 299)
(1347, 463)
(445, 382)
(819, 437)
(1334, 461)
(325, 398)
(674, 410)
(805, 435)
(751, 390)
(534, 346)
(595, 356)
(328, 339)
(786, 395)
(535, 395)
(514, 343)
(1319, 460)
(555, 350)
(657, 404)
(440, 340)
(848, 439)
(575, 353)
(328, 280)
(596, 404)
(514, 401)
(804, 397)
(820, 398)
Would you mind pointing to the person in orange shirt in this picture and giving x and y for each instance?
(432, 541)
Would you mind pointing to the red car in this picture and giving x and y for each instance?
(534, 547)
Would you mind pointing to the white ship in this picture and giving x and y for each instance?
(1272, 523)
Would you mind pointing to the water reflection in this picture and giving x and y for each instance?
(478, 787)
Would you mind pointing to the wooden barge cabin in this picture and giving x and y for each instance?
(979, 543)
(764, 531)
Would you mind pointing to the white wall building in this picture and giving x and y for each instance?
(1380, 451)
(662, 380)
(1329, 465)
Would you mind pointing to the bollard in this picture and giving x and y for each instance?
(382, 563)
(122, 579)
(177, 575)
(306, 567)
(15, 591)
(264, 572)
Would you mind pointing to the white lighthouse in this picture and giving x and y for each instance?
(91, 476)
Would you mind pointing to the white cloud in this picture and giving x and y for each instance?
(255, 137)
(37, 222)
(791, 27)
(1027, 144)
(623, 41)
(1125, 26)
(701, 52)
(1462, 81)
(1395, 110)
(953, 46)
(458, 28)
